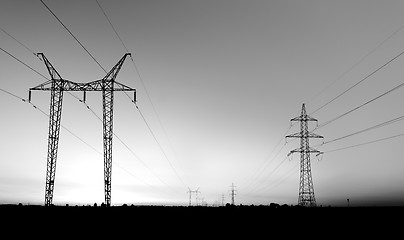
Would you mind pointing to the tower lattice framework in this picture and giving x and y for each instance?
(57, 86)
(306, 189)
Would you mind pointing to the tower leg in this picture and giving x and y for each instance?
(108, 100)
(53, 140)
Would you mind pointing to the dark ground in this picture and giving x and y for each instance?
(324, 222)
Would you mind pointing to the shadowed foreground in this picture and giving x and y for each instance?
(245, 215)
(168, 222)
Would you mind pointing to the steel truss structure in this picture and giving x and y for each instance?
(306, 189)
(57, 86)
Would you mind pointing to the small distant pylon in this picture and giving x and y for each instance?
(196, 195)
(232, 193)
(306, 189)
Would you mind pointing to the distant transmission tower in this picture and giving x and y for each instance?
(306, 189)
(196, 196)
(232, 193)
(57, 85)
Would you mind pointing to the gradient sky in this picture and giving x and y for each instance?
(225, 77)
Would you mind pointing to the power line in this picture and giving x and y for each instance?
(91, 55)
(367, 129)
(112, 26)
(44, 113)
(26, 65)
(140, 78)
(362, 105)
(158, 143)
(11, 55)
(87, 106)
(282, 178)
(365, 143)
(270, 174)
(355, 65)
(265, 163)
(261, 169)
(362, 80)
(85, 49)
(13, 95)
(23, 45)
(126, 146)
(74, 135)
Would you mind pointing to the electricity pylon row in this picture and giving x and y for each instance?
(57, 86)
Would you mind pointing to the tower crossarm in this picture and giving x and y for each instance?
(98, 86)
(300, 150)
(303, 118)
(300, 135)
(61, 84)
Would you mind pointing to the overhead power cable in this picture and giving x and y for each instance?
(78, 41)
(85, 49)
(137, 107)
(44, 113)
(104, 71)
(353, 66)
(269, 175)
(112, 26)
(362, 80)
(88, 107)
(140, 77)
(11, 55)
(367, 129)
(365, 143)
(266, 163)
(362, 105)
(280, 179)
(75, 135)
(158, 143)
(32, 69)
(22, 44)
(127, 147)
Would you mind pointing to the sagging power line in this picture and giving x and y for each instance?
(148, 96)
(350, 69)
(75, 38)
(364, 143)
(366, 129)
(130, 55)
(360, 106)
(356, 84)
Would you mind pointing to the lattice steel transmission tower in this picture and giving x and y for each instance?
(232, 193)
(57, 86)
(196, 195)
(306, 189)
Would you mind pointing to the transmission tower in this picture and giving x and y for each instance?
(306, 189)
(232, 193)
(196, 195)
(57, 85)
